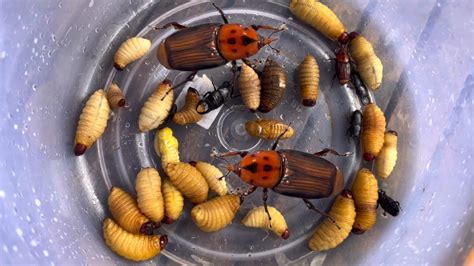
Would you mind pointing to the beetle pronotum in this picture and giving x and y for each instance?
(365, 191)
(213, 176)
(216, 213)
(308, 76)
(189, 114)
(328, 235)
(258, 218)
(188, 180)
(268, 129)
(149, 197)
(92, 122)
(174, 202)
(387, 158)
(131, 50)
(373, 128)
(156, 108)
(131, 246)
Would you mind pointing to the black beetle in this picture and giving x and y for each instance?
(214, 99)
(356, 124)
(388, 204)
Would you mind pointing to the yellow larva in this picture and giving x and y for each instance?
(268, 129)
(327, 234)
(157, 107)
(387, 158)
(373, 128)
(188, 180)
(212, 175)
(92, 122)
(249, 86)
(166, 146)
(132, 246)
(188, 114)
(149, 197)
(216, 213)
(125, 211)
(318, 16)
(131, 50)
(308, 75)
(174, 202)
(368, 64)
(258, 218)
(365, 192)
(115, 96)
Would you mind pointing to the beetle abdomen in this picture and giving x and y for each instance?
(307, 176)
(191, 49)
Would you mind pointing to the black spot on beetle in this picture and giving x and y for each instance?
(251, 181)
(265, 177)
(246, 40)
(246, 28)
(233, 31)
(251, 167)
(247, 54)
(232, 40)
(267, 168)
(266, 158)
(234, 50)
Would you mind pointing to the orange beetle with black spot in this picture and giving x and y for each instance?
(210, 45)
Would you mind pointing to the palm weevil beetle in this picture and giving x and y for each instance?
(210, 45)
(388, 204)
(214, 99)
(356, 124)
(288, 172)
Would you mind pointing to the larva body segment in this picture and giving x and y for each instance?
(308, 76)
(249, 86)
(268, 129)
(319, 17)
(189, 113)
(166, 146)
(387, 158)
(368, 63)
(115, 96)
(92, 122)
(212, 175)
(189, 181)
(156, 108)
(216, 213)
(365, 192)
(174, 202)
(131, 50)
(258, 218)
(131, 246)
(327, 235)
(373, 128)
(149, 197)
(124, 210)
(273, 86)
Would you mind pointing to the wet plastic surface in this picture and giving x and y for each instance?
(54, 55)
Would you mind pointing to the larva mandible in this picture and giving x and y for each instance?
(166, 146)
(273, 86)
(249, 86)
(188, 180)
(212, 175)
(92, 122)
(174, 202)
(124, 210)
(131, 246)
(373, 128)
(215, 214)
(308, 76)
(368, 64)
(365, 192)
(327, 234)
(268, 129)
(258, 218)
(115, 96)
(319, 17)
(131, 50)
(156, 108)
(387, 158)
(189, 113)
(149, 197)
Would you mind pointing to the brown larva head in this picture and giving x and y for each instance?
(309, 102)
(346, 194)
(167, 82)
(167, 220)
(118, 67)
(357, 231)
(163, 241)
(285, 234)
(393, 132)
(193, 163)
(368, 157)
(121, 103)
(353, 35)
(80, 149)
(148, 228)
(343, 38)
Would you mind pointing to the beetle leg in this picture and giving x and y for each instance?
(327, 150)
(247, 192)
(176, 25)
(310, 206)
(265, 198)
(265, 27)
(231, 153)
(275, 144)
(188, 79)
(224, 18)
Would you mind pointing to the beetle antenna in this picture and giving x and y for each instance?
(275, 144)
(274, 49)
